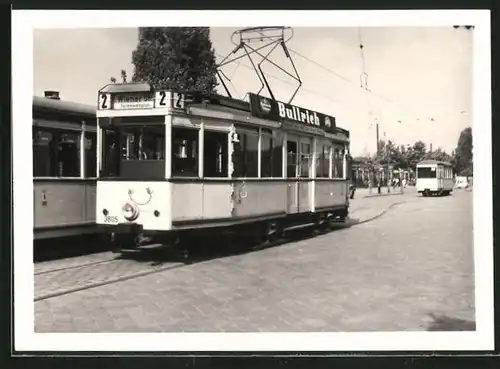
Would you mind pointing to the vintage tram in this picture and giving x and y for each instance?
(434, 177)
(64, 167)
(174, 164)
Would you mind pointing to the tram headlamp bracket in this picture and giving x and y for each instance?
(130, 211)
(234, 137)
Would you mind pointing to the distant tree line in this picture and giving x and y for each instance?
(407, 156)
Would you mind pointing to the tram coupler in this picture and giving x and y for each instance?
(123, 236)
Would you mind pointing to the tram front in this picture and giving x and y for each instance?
(133, 160)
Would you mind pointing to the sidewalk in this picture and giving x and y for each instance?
(365, 192)
(365, 206)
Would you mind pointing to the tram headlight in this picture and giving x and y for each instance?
(130, 212)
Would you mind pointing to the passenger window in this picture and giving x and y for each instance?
(184, 152)
(56, 153)
(245, 156)
(305, 159)
(90, 154)
(271, 155)
(111, 153)
(215, 154)
(291, 159)
(338, 164)
(43, 154)
(323, 162)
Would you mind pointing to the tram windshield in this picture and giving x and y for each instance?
(135, 152)
(426, 172)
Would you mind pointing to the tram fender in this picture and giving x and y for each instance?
(131, 229)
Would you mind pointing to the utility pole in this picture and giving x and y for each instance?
(387, 163)
(377, 173)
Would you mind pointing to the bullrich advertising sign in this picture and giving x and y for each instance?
(264, 107)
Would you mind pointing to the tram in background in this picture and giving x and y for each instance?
(64, 167)
(174, 165)
(434, 177)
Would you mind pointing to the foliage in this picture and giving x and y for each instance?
(463, 152)
(179, 58)
(403, 156)
(123, 74)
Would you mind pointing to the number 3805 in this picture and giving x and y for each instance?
(111, 219)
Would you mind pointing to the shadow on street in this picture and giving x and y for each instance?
(447, 324)
(207, 248)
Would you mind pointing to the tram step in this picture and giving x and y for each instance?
(298, 226)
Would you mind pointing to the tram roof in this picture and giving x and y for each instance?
(294, 115)
(126, 87)
(67, 107)
(434, 162)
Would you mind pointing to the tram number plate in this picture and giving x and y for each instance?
(165, 99)
(110, 219)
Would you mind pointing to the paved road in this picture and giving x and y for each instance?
(411, 269)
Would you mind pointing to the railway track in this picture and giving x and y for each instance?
(85, 272)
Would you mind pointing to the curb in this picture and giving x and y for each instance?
(384, 194)
(379, 214)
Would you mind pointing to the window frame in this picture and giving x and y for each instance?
(195, 147)
(243, 156)
(224, 154)
(55, 141)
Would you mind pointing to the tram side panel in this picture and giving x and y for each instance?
(259, 199)
(218, 201)
(330, 194)
(201, 201)
(61, 206)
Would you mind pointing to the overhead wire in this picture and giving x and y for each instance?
(312, 92)
(364, 83)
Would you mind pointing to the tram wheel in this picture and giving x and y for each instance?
(272, 232)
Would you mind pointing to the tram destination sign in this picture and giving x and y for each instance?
(133, 101)
(264, 107)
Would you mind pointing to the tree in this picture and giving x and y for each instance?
(463, 152)
(414, 154)
(123, 74)
(178, 58)
(439, 155)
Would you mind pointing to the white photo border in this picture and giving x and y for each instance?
(25, 338)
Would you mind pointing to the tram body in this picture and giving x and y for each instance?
(171, 163)
(434, 177)
(64, 168)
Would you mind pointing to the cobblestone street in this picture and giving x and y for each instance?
(410, 269)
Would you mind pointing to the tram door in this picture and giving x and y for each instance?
(293, 175)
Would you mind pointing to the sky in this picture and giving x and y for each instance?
(420, 78)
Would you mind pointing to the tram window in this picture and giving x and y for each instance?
(338, 168)
(267, 160)
(277, 156)
(305, 158)
(245, 156)
(110, 153)
(323, 163)
(291, 159)
(184, 152)
(90, 154)
(43, 154)
(426, 172)
(215, 154)
(56, 153)
(143, 143)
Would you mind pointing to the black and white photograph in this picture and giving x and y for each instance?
(213, 181)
